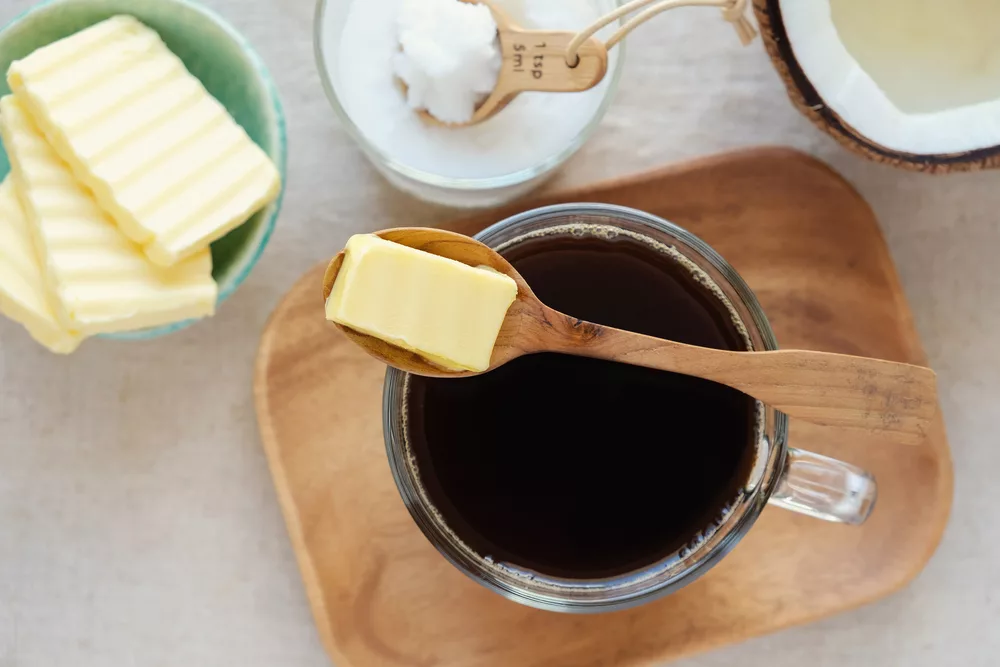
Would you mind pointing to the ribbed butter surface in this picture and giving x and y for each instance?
(441, 309)
(100, 281)
(23, 296)
(163, 156)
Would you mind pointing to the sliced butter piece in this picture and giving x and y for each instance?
(443, 310)
(23, 297)
(162, 155)
(98, 280)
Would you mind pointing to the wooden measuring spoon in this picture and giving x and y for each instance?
(535, 60)
(820, 387)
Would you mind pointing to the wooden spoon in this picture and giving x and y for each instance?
(535, 60)
(821, 387)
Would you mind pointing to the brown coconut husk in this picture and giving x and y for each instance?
(808, 101)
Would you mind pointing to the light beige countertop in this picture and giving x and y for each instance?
(138, 523)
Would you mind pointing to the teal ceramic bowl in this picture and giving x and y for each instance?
(215, 53)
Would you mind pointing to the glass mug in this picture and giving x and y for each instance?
(796, 480)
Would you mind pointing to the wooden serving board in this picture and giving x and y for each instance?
(381, 595)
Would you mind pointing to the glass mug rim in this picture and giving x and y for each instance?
(657, 579)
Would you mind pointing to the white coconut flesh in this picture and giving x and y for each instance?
(913, 76)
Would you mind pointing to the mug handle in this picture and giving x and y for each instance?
(825, 488)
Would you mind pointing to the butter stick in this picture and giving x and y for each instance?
(445, 311)
(23, 297)
(163, 157)
(98, 281)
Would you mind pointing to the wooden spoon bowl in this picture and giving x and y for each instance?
(463, 249)
(821, 387)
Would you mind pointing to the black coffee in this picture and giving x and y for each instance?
(582, 468)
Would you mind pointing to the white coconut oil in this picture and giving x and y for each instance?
(533, 129)
(925, 55)
(449, 56)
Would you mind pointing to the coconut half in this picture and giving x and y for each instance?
(915, 83)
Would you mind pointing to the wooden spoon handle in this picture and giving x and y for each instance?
(896, 399)
(536, 60)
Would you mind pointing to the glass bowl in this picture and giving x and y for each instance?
(450, 191)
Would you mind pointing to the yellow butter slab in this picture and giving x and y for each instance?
(98, 280)
(23, 297)
(441, 309)
(162, 156)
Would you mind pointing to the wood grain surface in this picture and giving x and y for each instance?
(536, 60)
(381, 595)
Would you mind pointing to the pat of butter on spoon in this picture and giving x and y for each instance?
(897, 400)
(446, 311)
